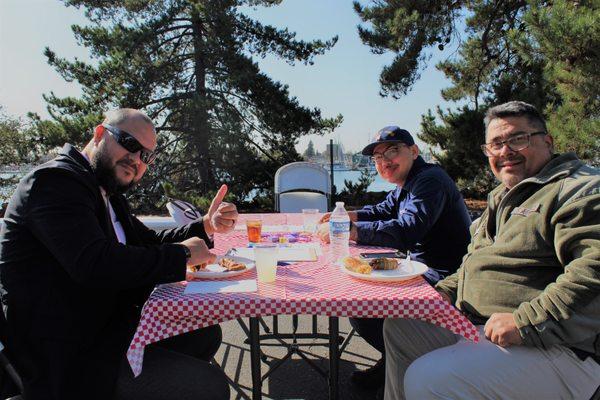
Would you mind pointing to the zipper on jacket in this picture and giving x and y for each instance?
(462, 281)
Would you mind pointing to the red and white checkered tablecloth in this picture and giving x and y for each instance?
(301, 288)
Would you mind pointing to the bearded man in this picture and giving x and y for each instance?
(76, 267)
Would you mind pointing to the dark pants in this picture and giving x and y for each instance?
(177, 368)
(371, 329)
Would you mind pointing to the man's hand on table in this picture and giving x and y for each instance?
(200, 253)
(221, 216)
(323, 229)
(352, 214)
(323, 232)
(502, 330)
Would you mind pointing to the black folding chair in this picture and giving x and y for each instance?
(11, 385)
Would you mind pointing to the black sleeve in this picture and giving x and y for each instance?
(175, 235)
(62, 215)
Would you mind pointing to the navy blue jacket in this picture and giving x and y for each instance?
(427, 216)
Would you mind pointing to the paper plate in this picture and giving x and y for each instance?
(215, 271)
(406, 270)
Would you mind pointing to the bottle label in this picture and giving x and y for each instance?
(337, 227)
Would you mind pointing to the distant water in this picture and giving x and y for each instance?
(6, 191)
(378, 185)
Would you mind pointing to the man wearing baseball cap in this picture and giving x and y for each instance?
(425, 215)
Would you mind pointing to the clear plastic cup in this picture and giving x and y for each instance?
(310, 219)
(265, 257)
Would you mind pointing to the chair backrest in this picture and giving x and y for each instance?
(301, 185)
(183, 212)
(295, 201)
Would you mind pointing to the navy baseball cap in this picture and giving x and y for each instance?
(389, 134)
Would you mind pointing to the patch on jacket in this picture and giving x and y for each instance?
(524, 211)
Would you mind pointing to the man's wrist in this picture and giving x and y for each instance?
(187, 251)
(353, 231)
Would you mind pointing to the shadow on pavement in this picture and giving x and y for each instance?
(295, 379)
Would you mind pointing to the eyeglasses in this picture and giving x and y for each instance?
(515, 143)
(388, 154)
(131, 144)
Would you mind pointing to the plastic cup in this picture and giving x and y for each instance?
(265, 257)
(310, 219)
(254, 227)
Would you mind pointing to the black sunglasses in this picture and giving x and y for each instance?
(131, 144)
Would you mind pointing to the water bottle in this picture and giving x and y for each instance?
(339, 232)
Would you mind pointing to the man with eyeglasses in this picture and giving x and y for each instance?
(76, 267)
(530, 282)
(425, 215)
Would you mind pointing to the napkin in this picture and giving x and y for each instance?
(228, 286)
(288, 252)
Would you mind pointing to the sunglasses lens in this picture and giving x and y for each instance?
(130, 143)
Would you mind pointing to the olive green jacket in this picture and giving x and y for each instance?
(535, 252)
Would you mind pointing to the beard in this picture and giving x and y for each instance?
(104, 170)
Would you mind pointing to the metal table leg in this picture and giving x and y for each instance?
(255, 359)
(334, 357)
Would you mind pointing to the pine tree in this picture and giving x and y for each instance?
(535, 51)
(17, 141)
(189, 65)
(310, 150)
(567, 36)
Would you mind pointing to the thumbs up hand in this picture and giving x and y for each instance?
(221, 216)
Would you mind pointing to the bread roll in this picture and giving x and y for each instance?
(357, 265)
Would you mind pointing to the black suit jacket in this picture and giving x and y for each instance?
(73, 293)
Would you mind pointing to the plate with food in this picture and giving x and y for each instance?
(224, 267)
(382, 269)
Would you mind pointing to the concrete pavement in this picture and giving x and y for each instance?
(295, 379)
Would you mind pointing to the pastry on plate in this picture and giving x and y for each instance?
(196, 268)
(231, 265)
(356, 265)
(384, 263)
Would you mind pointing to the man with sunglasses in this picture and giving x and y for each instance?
(530, 281)
(425, 215)
(76, 267)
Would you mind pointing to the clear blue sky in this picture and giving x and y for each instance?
(343, 81)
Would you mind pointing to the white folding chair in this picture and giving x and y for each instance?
(301, 185)
(183, 212)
